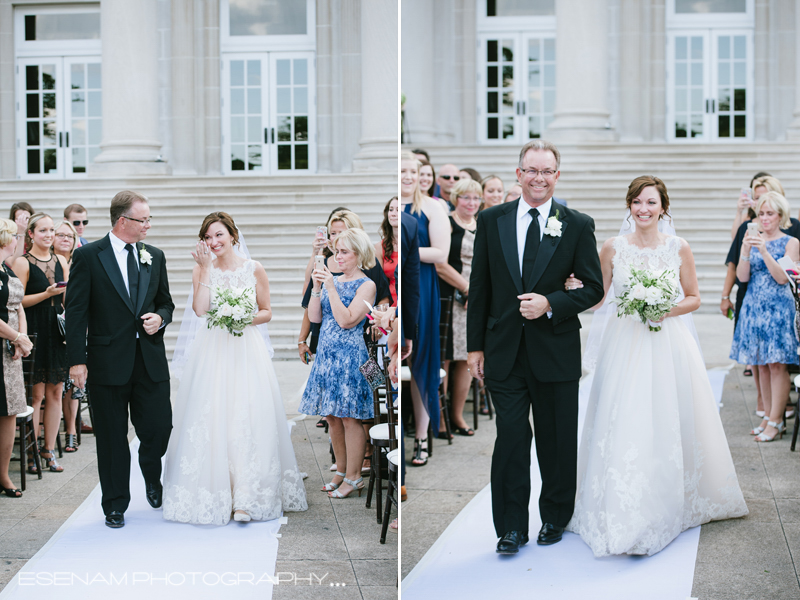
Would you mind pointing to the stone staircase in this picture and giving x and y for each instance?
(703, 183)
(278, 216)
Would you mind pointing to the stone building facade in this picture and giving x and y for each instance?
(118, 88)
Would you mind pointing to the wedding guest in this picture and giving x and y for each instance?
(764, 336)
(746, 203)
(79, 218)
(386, 249)
(513, 193)
(336, 388)
(434, 246)
(321, 244)
(454, 284)
(13, 329)
(40, 272)
(421, 154)
(448, 177)
(427, 184)
(492, 190)
(64, 244)
(20, 213)
(470, 173)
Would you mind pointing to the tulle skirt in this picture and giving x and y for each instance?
(230, 447)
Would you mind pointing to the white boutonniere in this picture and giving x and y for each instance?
(553, 226)
(146, 258)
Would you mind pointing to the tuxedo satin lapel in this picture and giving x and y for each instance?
(546, 249)
(507, 227)
(109, 262)
(144, 280)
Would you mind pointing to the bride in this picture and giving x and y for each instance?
(653, 458)
(230, 450)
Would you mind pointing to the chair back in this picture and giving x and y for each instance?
(27, 369)
(445, 325)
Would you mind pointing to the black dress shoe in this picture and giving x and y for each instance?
(154, 493)
(115, 519)
(511, 541)
(549, 534)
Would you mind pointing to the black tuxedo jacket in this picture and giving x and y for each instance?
(98, 300)
(494, 323)
(409, 277)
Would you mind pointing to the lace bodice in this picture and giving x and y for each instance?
(664, 257)
(243, 277)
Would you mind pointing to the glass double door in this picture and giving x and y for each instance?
(516, 86)
(59, 116)
(710, 85)
(268, 111)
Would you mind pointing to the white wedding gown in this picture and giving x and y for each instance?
(230, 447)
(653, 458)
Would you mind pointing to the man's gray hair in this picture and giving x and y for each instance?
(540, 145)
(122, 203)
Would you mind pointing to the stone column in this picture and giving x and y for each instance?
(130, 143)
(183, 88)
(380, 98)
(581, 112)
(793, 132)
(418, 75)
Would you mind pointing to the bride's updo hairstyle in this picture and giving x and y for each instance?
(643, 181)
(8, 229)
(358, 242)
(220, 217)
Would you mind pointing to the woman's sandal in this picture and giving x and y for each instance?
(51, 461)
(759, 430)
(420, 454)
(71, 442)
(323, 423)
(748, 372)
(781, 427)
(464, 431)
(32, 468)
(358, 484)
(329, 487)
(11, 492)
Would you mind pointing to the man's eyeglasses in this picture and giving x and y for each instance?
(79, 223)
(148, 220)
(449, 177)
(64, 236)
(547, 174)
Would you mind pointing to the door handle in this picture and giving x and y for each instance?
(266, 135)
(524, 108)
(273, 135)
(66, 135)
(713, 106)
(707, 101)
(60, 140)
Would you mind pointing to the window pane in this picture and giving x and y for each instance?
(680, 48)
(49, 133)
(534, 131)
(254, 101)
(283, 74)
(739, 100)
(710, 6)
(33, 133)
(300, 71)
(301, 129)
(492, 128)
(549, 100)
(72, 26)
(518, 8)
(697, 73)
(95, 81)
(697, 100)
(78, 160)
(48, 77)
(550, 75)
(492, 77)
(77, 77)
(48, 105)
(724, 99)
(739, 76)
(284, 104)
(237, 130)
(508, 127)
(550, 49)
(697, 48)
(237, 158)
(508, 76)
(739, 129)
(32, 101)
(491, 51)
(680, 126)
(78, 132)
(491, 102)
(253, 130)
(50, 161)
(237, 72)
(284, 157)
(724, 73)
(285, 129)
(697, 126)
(237, 102)
(681, 73)
(254, 158)
(724, 126)
(301, 100)
(680, 100)
(508, 102)
(277, 17)
(301, 156)
(33, 161)
(534, 101)
(95, 104)
(739, 48)
(78, 104)
(253, 72)
(724, 47)
(533, 75)
(95, 131)
(32, 77)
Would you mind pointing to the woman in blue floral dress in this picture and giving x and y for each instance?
(336, 388)
(765, 333)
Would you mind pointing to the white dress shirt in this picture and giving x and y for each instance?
(523, 222)
(121, 255)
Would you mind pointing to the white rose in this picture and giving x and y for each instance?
(639, 292)
(238, 313)
(226, 310)
(653, 296)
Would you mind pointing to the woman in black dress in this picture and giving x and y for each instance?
(14, 339)
(44, 275)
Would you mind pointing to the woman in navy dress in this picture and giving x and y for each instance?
(336, 388)
(765, 333)
(434, 247)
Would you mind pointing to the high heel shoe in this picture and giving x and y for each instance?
(241, 516)
(51, 461)
(329, 487)
(758, 430)
(358, 484)
(71, 442)
(420, 453)
(10, 492)
(781, 427)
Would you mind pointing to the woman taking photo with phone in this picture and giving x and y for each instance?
(764, 335)
(44, 276)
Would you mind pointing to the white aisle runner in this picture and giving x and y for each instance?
(463, 563)
(149, 557)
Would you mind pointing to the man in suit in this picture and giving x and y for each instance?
(523, 337)
(118, 291)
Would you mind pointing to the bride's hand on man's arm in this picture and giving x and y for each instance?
(572, 283)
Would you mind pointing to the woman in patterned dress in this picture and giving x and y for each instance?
(454, 283)
(40, 271)
(764, 335)
(12, 329)
(336, 388)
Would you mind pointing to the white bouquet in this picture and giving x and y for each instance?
(234, 309)
(649, 295)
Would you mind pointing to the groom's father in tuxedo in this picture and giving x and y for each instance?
(118, 292)
(523, 337)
